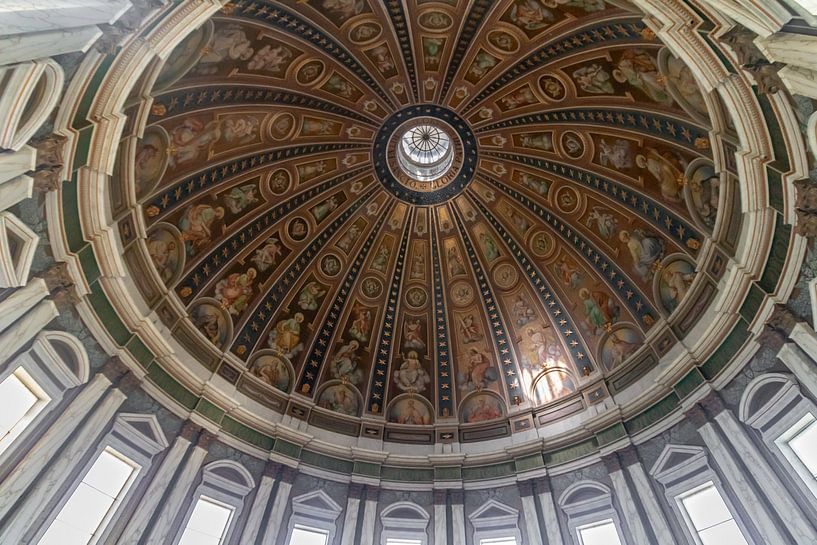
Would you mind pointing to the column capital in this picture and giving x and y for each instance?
(542, 485)
(525, 488)
(114, 369)
(628, 456)
(355, 491)
(272, 469)
(713, 404)
(288, 474)
(697, 416)
(440, 496)
(372, 493)
(189, 430)
(457, 497)
(611, 462)
(206, 438)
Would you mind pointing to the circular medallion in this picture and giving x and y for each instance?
(416, 297)
(330, 265)
(505, 276)
(425, 154)
(298, 229)
(462, 294)
(371, 287)
(541, 244)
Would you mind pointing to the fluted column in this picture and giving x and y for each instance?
(369, 513)
(549, 514)
(352, 512)
(161, 526)
(735, 476)
(632, 517)
(279, 505)
(23, 504)
(259, 505)
(646, 494)
(158, 487)
(532, 531)
(787, 509)
(458, 516)
(440, 518)
(51, 443)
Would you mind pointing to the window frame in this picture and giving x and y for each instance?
(774, 421)
(684, 478)
(310, 516)
(52, 376)
(129, 441)
(28, 420)
(396, 527)
(220, 490)
(206, 497)
(594, 510)
(595, 524)
(312, 529)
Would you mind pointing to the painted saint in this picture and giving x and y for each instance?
(411, 377)
(235, 291)
(645, 249)
(286, 337)
(310, 296)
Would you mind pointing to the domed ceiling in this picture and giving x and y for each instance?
(540, 239)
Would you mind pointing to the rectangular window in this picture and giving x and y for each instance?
(804, 443)
(89, 509)
(21, 400)
(208, 523)
(401, 541)
(498, 541)
(308, 536)
(599, 533)
(709, 517)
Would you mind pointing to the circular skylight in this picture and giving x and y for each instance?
(425, 152)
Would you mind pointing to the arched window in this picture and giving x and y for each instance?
(217, 504)
(404, 523)
(787, 423)
(106, 482)
(313, 519)
(592, 518)
(33, 384)
(28, 93)
(697, 496)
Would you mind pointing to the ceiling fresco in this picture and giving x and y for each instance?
(573, 241)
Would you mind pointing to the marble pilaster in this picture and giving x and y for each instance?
(139, 520)
(369, 513)
(259, 505)
(14, 163)
(41, 15)
(800, 365)
(532, 531)
(440, 518)
(19, 302)
(26, 327)
(162, 526)
(737, 479)
(38, 45)
(352, 511)
(549, 513)
(32, 503)
(458, 516)
(279, 505)
(630, 513)
(646, 494)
